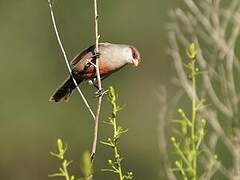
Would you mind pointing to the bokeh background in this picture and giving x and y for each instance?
(32, 66)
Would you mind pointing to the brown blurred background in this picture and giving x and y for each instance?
(32, 67)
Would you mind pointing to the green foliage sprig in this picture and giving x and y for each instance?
(192, 129)
(112, 142)
(86, 166)
(60, 154)
(63, 171)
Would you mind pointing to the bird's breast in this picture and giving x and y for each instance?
(91, 72)
(104, 70)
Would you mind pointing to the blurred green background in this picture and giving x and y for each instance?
(32, 67)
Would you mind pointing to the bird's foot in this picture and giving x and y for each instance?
(101, 92)
(96, 55)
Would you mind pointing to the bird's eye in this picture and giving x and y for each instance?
(134, 53)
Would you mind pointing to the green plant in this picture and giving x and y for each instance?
(192, 129)
(112, 142)
(60, 154)
(86, 167)
(203, 21)
(63, 171)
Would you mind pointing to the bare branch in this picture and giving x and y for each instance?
(97, 36)
(66, 59)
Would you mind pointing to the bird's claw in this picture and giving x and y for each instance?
(96, 55)
(101, 92)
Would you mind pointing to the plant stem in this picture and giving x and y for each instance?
(194, 111)
(116, 153)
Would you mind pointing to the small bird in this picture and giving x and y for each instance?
(112, 57)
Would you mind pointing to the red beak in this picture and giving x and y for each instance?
(136, 62)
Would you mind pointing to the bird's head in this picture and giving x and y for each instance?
(135, 57)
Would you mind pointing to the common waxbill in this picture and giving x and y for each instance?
(112, 57)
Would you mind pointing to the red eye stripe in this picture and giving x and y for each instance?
(134, 53)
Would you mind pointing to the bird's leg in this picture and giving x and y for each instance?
(99, 92)
(92, 61)
(95, 83)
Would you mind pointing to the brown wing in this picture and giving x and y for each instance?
(82, 54)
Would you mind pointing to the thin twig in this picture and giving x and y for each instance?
(97, 36)
(66, 59)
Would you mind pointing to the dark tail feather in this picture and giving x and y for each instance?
(64, 91)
